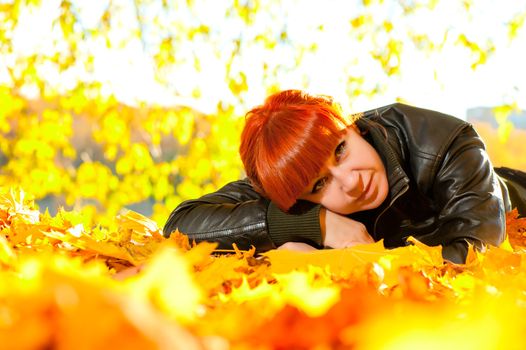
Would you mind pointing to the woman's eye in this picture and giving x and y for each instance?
(318, 186)
(340, 150)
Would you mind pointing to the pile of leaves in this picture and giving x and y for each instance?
(64, 285)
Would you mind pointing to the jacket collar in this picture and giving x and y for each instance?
(396, 176)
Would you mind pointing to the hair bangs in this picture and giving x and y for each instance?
(305, 141)
(286, 142)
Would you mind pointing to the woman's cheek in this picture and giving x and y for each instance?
(334, 199)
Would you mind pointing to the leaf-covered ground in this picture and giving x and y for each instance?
(67, 286)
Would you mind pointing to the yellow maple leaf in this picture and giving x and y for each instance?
(141, 228)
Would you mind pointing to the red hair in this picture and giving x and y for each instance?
(287, 140)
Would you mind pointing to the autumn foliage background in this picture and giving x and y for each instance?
(118, 105)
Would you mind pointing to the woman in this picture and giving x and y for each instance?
(317, 178)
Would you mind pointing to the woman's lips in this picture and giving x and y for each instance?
(366, 192)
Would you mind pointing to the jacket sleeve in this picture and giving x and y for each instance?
(469, 198)
(236, 213)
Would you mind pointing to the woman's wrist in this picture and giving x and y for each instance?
(286, 227)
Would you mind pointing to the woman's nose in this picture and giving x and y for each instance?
(349, 180)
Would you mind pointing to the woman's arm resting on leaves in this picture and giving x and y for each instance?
(236, 213)
(233, 214)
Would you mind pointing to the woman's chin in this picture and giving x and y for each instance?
(373, 201)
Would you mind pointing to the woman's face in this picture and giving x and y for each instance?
(353, 178)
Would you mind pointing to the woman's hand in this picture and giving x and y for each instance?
(296, 246)
(339, 231)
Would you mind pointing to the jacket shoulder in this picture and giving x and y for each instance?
(423, 130)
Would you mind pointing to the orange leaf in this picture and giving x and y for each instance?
(516, 229)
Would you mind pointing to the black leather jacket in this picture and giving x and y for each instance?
(443, 190)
